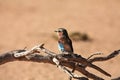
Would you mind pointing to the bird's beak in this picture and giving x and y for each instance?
(56, 31)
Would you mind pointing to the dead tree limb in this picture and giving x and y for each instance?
(110, 56)
(61, 60)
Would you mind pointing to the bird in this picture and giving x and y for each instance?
(64, 42)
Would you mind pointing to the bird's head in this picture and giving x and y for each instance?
(62, 32)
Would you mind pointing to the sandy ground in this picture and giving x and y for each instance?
(31, 22)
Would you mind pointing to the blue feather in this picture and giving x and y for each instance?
(61, 47)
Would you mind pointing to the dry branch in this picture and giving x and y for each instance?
(61, 60)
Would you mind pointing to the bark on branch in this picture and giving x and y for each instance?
(62, 60)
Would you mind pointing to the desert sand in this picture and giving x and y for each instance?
(26, 23)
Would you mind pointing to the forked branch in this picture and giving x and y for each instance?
(62, 60)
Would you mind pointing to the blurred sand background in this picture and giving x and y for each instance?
(31, 22)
